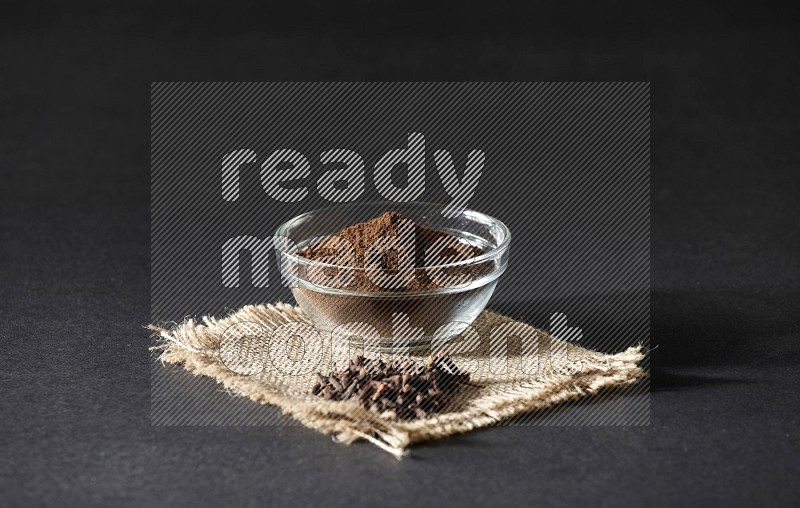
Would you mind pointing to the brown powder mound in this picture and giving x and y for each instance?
(390, 225)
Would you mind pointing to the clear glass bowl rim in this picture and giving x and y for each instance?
(492, 253)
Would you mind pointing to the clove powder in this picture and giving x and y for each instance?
(352, 267)
(416, 240)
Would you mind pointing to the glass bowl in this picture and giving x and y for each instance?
(404, 317)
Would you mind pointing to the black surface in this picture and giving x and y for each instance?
(74, 157)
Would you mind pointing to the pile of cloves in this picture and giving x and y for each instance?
(400, 388)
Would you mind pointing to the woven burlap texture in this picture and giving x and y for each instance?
(240, 352)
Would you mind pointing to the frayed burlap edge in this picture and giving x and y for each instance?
(195, 346)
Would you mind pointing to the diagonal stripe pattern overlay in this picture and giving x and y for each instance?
(565, 165)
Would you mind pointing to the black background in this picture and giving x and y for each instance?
(74, 156)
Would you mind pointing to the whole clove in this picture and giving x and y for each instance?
(401, 388)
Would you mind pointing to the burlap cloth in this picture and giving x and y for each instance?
(240, 352)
